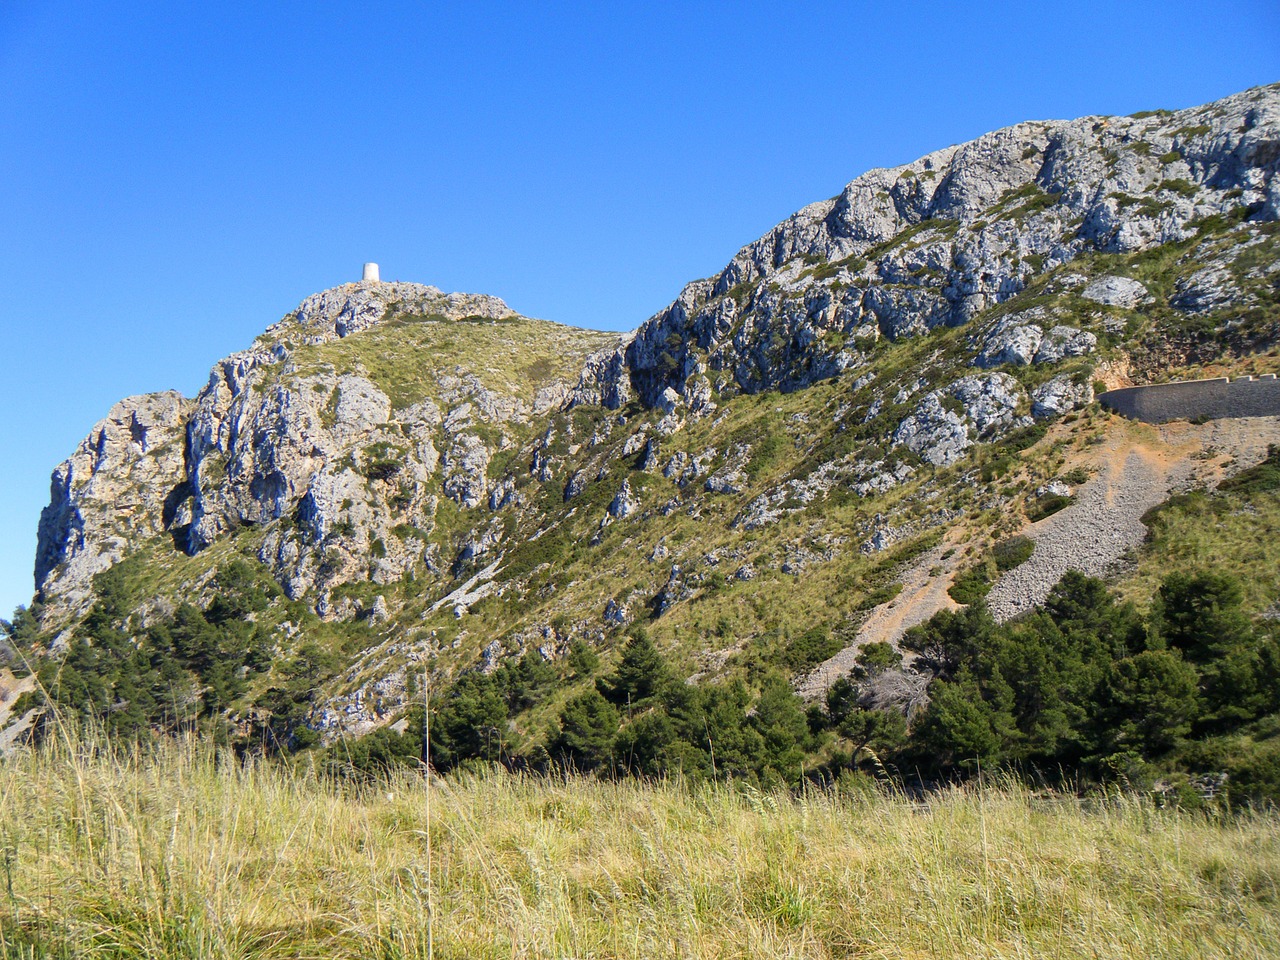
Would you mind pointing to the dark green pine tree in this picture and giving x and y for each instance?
(1146, 704)
(471, 723)
(588, 726)
(1201, 614)
(780, 720)
(641, 675)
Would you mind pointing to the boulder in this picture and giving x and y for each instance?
(624, 503)
(1058, 396)
(1116, 291)
(1011, 341)
(1062, 342)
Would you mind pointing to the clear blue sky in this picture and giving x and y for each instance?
(175, 176)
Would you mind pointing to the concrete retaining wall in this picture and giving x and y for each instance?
(1198, 399)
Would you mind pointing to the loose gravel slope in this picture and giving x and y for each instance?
(1105, 522)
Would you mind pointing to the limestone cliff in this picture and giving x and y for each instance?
(938, 241)
(123, 484)
(281, 431)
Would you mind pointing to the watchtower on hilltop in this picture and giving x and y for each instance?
(371, 273)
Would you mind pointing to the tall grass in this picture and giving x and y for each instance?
(182, 852)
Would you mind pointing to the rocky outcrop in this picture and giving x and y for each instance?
(903, 250)
(1058, 396)
(341, 311)
(949, 421)
(1012, 341)
(1018, 340)
(604, 380)
(125, 482)
(1115, 291)
(624, 503)
(1061, 342)
(272, 437)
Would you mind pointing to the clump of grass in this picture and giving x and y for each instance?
(185, 852)
(1264, 478)
(1012, 552)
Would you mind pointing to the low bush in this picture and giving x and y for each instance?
(1263, 478)
(1047, 506)
(1012, 552)
(972, 585)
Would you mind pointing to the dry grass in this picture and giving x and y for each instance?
(408, 357)
(186, 854)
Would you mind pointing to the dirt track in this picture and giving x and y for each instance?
(922, 596)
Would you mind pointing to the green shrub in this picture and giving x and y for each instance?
(1012, 552)
(995, 469)
(1048, 506)
(551, 547)
(811, 648)
(876, 597)
(1076, 476)
(971, 585)
(1260, 479)
(1018, 440)
(1184, 188)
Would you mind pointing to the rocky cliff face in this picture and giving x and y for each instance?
(282, 433)
(123, 484)
(936, 242)
(463, 482)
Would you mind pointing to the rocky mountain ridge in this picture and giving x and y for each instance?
(447, 481)
(937, 241)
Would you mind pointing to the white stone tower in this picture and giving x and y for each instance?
(371, 273)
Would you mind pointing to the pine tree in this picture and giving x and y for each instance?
(588, 726)
(641, 674)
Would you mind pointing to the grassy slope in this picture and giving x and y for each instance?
(183, 856)
(1231, 531)
(407, 355)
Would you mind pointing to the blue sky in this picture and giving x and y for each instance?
(176, 176)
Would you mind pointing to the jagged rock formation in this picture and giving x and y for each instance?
(457, 478)
(935, 242)
(124, 483)
(279, 432)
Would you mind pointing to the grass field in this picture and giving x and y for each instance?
(186, 854)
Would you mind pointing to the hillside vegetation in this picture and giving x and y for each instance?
(1182, 698)
(626, 553)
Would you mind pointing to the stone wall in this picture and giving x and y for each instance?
(1198, 399)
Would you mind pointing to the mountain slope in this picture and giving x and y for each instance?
(411, 480)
